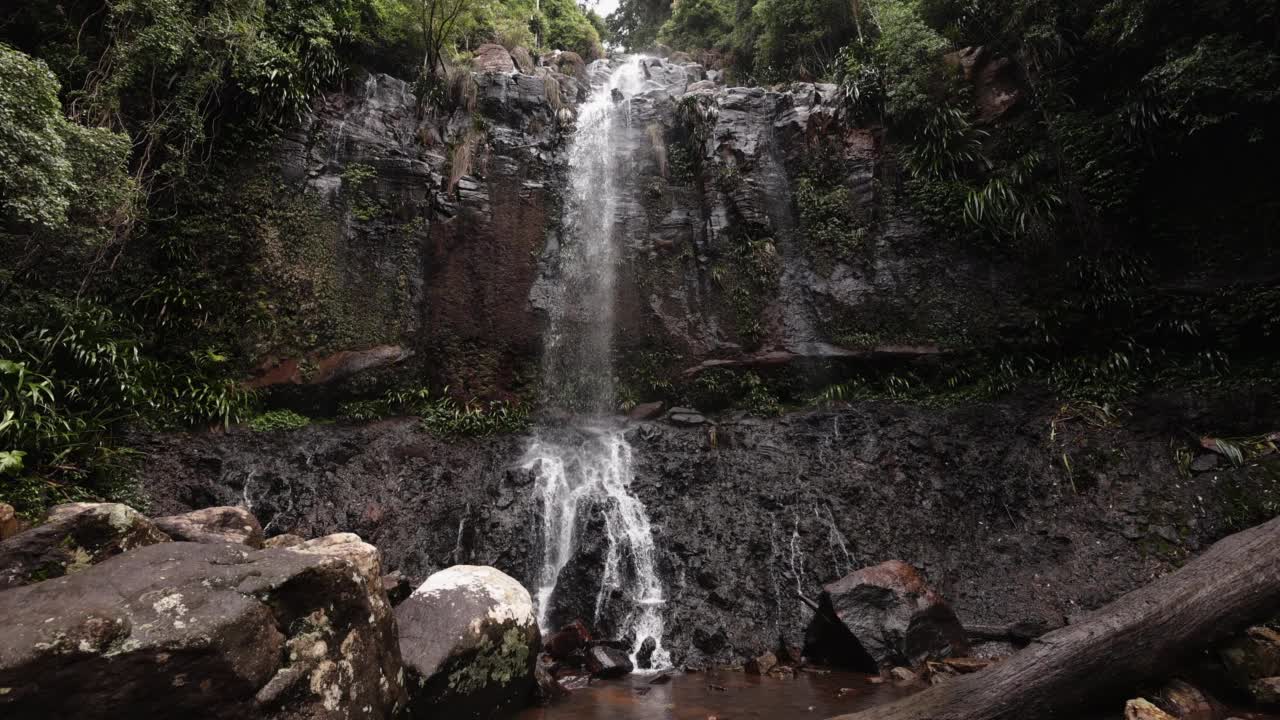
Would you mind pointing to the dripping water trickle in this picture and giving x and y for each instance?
(588, 464)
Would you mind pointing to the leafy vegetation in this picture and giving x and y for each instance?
(441, 414)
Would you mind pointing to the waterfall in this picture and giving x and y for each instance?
(592, 460)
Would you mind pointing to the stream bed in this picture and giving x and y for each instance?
(724, 695)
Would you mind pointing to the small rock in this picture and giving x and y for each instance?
(548, 688)
(965, 665)
(646, 411)
(76, 536)
(1252, 656)
(1141, 709)
(567, 640)
(902, 675)
(284, 541)
(1187, 702)
(10, 525)
(397, 587)
(761, 664)
(1204, 463)
(608, 662)
(686, 417)
(1266, 690)
(214, 525)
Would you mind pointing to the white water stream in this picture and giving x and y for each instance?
(591, 465)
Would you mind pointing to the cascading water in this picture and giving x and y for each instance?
(590, 463)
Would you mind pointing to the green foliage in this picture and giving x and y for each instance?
(441, 414)
(697, 24)
(569, 28)
(635, 24)
(278, 420)
(53, 171)
(800, 39)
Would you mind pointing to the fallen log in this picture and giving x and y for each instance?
(1110, 652)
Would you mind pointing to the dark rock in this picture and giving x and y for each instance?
(644, 656)
(208, 631)
(893, 615)
(568, 640)
(74, 537)
(761, 664)
(470, 644)
(548, 688)
(604, 661)
(397, 587)
(491, 58)
(214, 525)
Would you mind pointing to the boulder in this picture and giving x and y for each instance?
(523, 60)
(75, 536)
(491, 58)
(887, 615)
(202, 630)
(903, 675)
(644, 656)
(10, 523)
(284, 541)
(214, 525)
(605, 661)
(470, 643)
(568, 640)
(567, 63)
(761, 664)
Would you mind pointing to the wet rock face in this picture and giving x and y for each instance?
(892, 614)
(470, 643)
(972, 495)
(201, 630)
(73, 538)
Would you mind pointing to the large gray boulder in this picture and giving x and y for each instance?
(205, 631)
(74, 537)
(470, 643)
(882, 616)
(214, 525)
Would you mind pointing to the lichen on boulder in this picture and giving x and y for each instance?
(469, 642)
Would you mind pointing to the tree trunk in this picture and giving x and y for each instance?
(1111, 651)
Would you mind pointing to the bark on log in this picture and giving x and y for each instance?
(1111, 651)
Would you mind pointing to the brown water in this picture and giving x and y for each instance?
(723, 695)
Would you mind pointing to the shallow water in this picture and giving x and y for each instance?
(724, 695)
